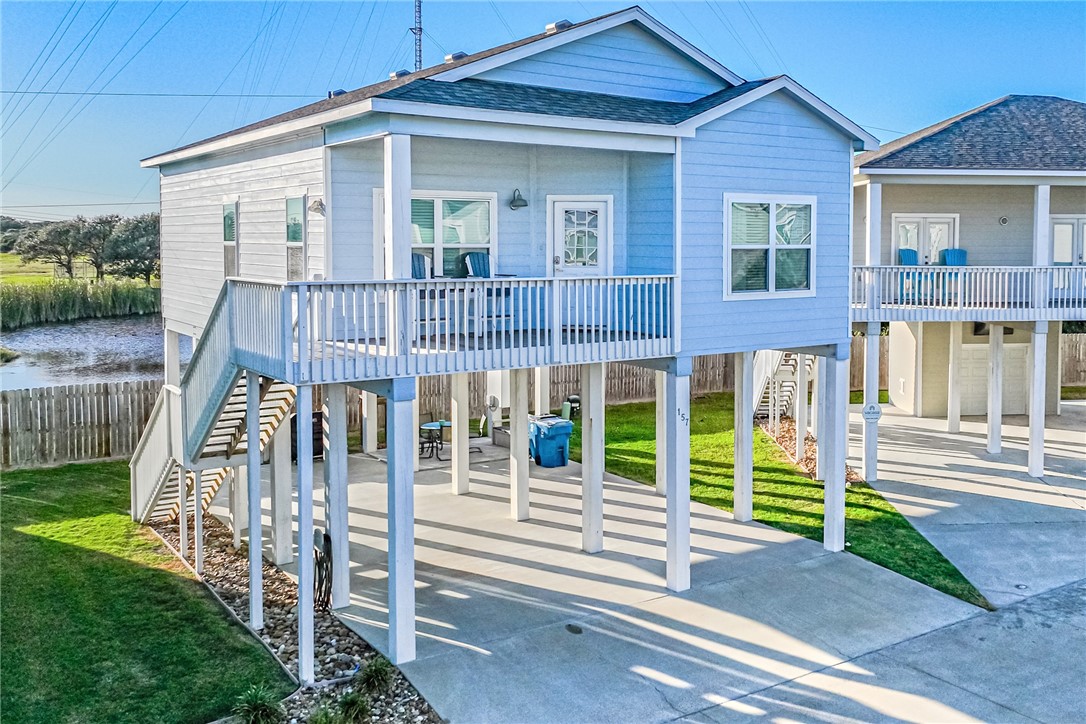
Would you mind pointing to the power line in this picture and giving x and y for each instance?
(27, 78)
(494, 7)
(766, 40)
(135, 94)
(56, 206)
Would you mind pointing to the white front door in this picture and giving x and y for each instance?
(924, 234)
(580, 237)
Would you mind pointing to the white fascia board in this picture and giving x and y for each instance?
(259, 135)
(583, 31)
(465, 113)
(967, 172)
(862, 140)
(974, 177)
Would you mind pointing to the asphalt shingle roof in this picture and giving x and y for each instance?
(1027, 133)
(498, 96)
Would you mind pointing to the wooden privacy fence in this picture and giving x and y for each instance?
(70, 423)
(1073, 356)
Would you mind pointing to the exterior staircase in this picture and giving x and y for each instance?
(202, 424)
(770, 366)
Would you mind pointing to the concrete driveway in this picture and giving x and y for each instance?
(1013, 536)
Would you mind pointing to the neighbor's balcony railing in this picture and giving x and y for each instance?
(310, 332)
(968, 293)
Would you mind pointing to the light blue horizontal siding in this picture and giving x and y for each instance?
(625, 60)
(651, 230)
(773, 146)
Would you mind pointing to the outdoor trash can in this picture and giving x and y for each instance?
(548, 440)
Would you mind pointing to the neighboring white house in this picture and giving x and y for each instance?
(1001, 187)
(602, 191)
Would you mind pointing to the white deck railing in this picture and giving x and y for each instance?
(159, 449)
(968, 293)
(382, 329)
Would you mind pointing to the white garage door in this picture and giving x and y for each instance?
(975, 379)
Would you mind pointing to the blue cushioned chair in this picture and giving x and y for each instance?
(478, 264)
(909, 284)
(951, 257)
(420, 266)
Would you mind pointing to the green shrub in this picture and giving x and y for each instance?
(354, 707)
(324, 715)
(259, 705)
(23, 305)
(376, 677)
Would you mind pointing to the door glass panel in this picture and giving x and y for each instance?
(938, 239)
(582, 237)
(908, 235)
(1063, 244)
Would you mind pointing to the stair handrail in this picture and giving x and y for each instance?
(766, 363)
(158, 450)
(211, 373)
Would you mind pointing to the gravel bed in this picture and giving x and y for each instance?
(786, 439)
(340, 653)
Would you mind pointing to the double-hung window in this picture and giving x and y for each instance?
(768, 245)
(446, 227)
(230, 239)
(296, 238)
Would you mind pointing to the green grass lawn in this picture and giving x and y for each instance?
(856, 397)
(1071, 392)
(13, 271)
(784, 497)
(100, 622)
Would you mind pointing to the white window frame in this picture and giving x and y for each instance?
(236, 243)
(923, 218)
(438, 245)
(304, 243)
(771, 279)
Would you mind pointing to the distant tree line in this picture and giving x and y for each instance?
(110, 244)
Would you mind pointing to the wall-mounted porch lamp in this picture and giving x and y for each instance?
(316, 207)
(518, 202)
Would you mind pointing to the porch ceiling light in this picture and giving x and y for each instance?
(317, 207)
(518, 202)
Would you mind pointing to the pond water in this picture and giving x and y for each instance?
(93, 350)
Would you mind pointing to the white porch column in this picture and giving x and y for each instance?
(743, 468)
(172, 357)
(198, 521)
(542, 402)
(800, 405)
(518, 444)
(401, 522)
(369, 422)
(183, 512)
(954, 380)
(238, 503)
(592, 456)
(1038, 363)
(677, 473)
(256, 535)
(821, 423)
(282, 517)
(415, 422)
(397, 201)
(1042, 225)
(836, 434)
(815, 397)
(304, 401)
(460, 425)
(663, 406)
(871, 397)
(873, 248)
(335, 491)
(995, 389)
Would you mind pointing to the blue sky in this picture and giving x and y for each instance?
(891, 66)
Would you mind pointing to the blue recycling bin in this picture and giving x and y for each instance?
(548, 440)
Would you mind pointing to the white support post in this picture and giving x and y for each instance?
(836, 447)
(871, 397)
(823, 432)
(1042, 225)
(873, 248)
(335, 491)
(415, 422)
(256, 537)
(304, 401)
(398, 236)
(678, 481)
(172, 357)
(460, 424)
(238, 503)
(369, 422)
(800, 405)
(743, 467)
(1038, 363)
(954, 381)
(198, 521)
(592, 454)
(518, 444)
(815, 395)
(662, 408)
(401, 529)
(183, 512)
(542, 402)
(995, 389)
(281, 515)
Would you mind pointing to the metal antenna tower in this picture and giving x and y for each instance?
(417, 32)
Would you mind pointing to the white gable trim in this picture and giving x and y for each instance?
(862, 140)
(563, 37)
